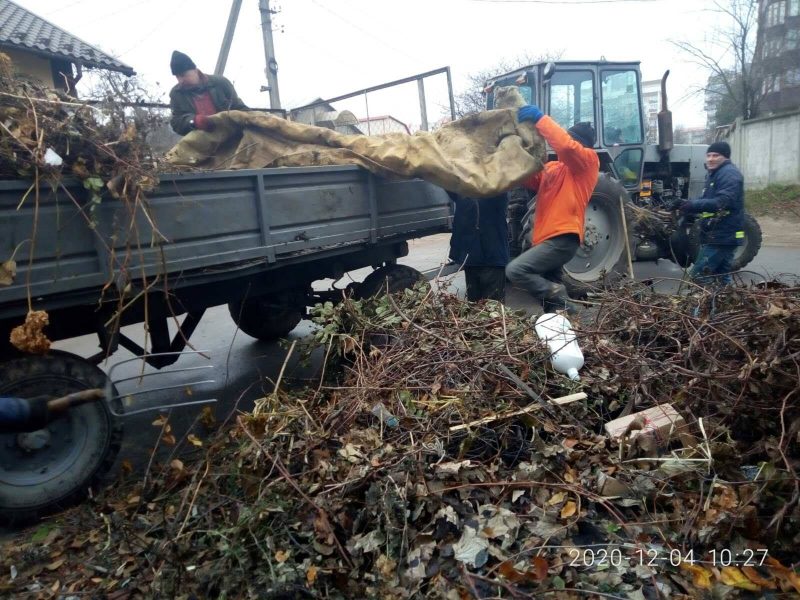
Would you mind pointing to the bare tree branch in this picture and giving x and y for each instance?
(472, 99)
(733, 78)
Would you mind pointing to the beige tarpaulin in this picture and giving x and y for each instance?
(478, 156)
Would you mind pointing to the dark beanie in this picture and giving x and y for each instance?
(180, 63)
(723, 148)
(583, 132)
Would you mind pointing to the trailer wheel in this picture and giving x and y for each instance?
(744, 253)
(395, 278)
(268, 317)
(45, 471)
(601, 257)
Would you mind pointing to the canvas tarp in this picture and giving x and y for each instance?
(477, 156)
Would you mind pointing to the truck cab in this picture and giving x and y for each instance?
(606, 94)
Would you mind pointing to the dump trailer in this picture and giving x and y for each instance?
(255, 240)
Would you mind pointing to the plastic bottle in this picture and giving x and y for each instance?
(379, 410)
(565, 353)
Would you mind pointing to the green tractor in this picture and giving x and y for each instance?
(648, 180)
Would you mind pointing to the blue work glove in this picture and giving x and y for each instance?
(685, 207)
(18, 414)
(529, 112)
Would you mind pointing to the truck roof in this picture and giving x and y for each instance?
(576, 63)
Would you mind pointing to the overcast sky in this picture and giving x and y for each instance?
(330, 47)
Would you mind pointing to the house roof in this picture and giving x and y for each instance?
(23, 30)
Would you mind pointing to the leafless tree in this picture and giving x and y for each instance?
(472, 99)
(132, 100)
(734, 79)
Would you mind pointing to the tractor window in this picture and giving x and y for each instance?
(572, 97)
(622, 117)
(629, 166)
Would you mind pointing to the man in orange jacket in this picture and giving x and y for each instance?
(563, 191)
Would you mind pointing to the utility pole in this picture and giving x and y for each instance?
(228, 38)
(269, 53)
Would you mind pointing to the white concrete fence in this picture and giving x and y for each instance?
(767, 150)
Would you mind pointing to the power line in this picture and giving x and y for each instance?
(370, 34)
(158, 26)
(562, 2)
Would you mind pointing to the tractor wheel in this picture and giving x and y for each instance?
(744, 253)
(601, 258)
(391, 278)
(268, 317)
(53, 468)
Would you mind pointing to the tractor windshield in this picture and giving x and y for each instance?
(622, 117)
(572, 97)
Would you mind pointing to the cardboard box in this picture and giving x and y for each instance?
(663, 423)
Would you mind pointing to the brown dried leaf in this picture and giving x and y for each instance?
(311, 574)
(56, 564)
(569, 509)
(734, 577)
(8, 270)
(207, 417)
(701, 577)
(540, 567)
(753, 575)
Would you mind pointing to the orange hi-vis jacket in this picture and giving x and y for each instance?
(564, 186)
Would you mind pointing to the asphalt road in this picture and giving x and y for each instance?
(244, 369)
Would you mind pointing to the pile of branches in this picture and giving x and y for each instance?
(730, 355)
(49, 134)
(429, 460)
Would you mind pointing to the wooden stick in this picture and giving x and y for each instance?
(559, 401)
(625, 233)
(74, 399)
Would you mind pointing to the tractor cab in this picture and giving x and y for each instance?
(606, 94)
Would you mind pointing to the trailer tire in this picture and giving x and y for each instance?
(744, 254)
(394, 278)
(267, 318)
(604, 234)
(55, 467)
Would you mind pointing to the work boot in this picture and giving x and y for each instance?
(558, 299)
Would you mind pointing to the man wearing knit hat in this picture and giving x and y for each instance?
(721, 213)
(563, 188)
(198, 96)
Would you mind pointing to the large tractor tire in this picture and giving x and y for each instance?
(268, 317)
(45, 471)
(601, 258)
(744, 254)
(391, 278)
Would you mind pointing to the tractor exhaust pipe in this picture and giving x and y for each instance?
(665, 143)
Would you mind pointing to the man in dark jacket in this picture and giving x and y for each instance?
(480, 243)
(198, 96)
(721, 214)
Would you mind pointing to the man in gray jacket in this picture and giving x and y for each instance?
(198, 96)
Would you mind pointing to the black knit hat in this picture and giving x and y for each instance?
(723, 148)
(584, 133)
(180, 63)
